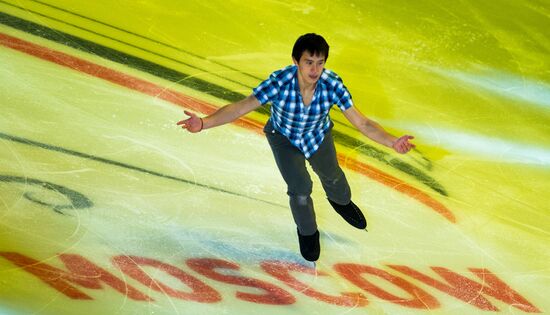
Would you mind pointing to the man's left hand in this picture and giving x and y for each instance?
(402, 145)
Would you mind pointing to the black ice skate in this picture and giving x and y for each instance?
(351, 213)
(309, 246)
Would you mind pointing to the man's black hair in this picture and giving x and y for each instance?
(311, 42)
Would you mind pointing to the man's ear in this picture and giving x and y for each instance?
(294, 60)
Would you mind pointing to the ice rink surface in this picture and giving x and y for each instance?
(107, 207)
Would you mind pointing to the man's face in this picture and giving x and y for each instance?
(310, 67)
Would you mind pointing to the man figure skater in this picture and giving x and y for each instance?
(299, 129)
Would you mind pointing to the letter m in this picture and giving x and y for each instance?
(80, 272)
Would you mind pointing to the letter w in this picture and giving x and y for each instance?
(471, 291)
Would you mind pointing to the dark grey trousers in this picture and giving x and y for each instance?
(291, 163)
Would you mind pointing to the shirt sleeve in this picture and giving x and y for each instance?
(342, 97)
(266, 91)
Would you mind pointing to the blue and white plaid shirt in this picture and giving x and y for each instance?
(304, 126)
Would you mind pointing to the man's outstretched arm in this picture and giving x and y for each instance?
(224, 115)
(375, 132)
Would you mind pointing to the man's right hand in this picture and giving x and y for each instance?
(193, 124)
